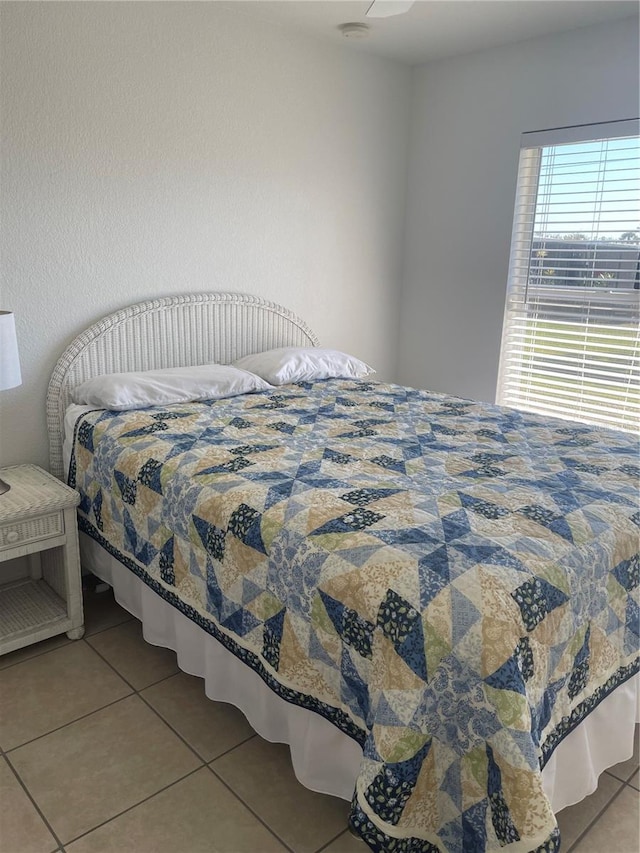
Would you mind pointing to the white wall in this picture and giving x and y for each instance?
(153, 149)
(468, 114)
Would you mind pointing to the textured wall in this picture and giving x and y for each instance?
(153, 149)
(468, 114)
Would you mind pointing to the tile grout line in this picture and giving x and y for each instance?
(41, 654)
(193, 750)
(135, 692)
(147, 686)
(135, 805)
(89, 713)
(624, 781)
(60, 848)
(339, 835)
(84, 638)
(169, 726)
(246, 805)
(208, 765)
(126, 680)
(120, 675)
(34, 803)
(633, 787)
(595, 820)
(183, 739)
(107, 628)
(84, 716)
(143, 699)
(205, 763)
(70, 723)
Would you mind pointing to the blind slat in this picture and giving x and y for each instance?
(571, 338)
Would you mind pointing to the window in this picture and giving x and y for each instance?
(571, 337)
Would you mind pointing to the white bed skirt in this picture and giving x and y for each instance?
(324, 759)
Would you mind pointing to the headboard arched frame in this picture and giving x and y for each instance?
(175, 331)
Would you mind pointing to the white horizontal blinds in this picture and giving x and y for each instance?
(571, 338)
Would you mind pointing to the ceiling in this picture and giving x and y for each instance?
(433, 29)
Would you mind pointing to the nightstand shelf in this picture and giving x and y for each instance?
(38, 521)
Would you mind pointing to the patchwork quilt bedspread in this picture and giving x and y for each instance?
(453, 584)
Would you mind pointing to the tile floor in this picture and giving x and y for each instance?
(107, 747)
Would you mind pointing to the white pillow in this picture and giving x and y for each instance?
(122, 391)
(303, 364)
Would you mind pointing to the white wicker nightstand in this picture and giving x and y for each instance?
(38, 520)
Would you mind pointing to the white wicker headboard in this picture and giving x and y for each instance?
(200, 328)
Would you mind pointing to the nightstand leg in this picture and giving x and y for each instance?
(76, 633)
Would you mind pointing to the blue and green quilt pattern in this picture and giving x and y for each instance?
(453, 584)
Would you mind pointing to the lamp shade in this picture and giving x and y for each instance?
(9, 360)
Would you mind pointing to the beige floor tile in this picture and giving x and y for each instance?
(43, 693)
(22, 830)
(626, 769)
(34, 650)
(196, 815)
(635, 780)
(618, 829)
(211, 728)
(261, 774)
(346, 843)
(574, 820)
(140, 663)
(101, 611)
(90, 771)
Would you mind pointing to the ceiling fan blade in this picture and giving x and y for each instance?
(387, 8)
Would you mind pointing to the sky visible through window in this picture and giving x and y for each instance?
(590, 191)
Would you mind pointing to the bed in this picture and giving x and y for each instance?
(434, 602)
